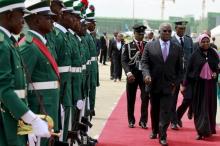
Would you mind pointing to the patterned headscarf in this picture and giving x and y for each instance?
(201, 37)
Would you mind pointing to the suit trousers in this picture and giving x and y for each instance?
(131, 89)
(117, 73)
(112, 69)
(103, 56)
(174, 118)
(160, 112)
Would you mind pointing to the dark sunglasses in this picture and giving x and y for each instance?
(169, 31)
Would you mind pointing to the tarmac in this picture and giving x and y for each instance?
(108, 94)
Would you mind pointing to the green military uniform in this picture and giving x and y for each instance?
(85, 64)
(12, 92)
(42, 76)
(12, 83)
(93, 71)
(94, 81)
(64, 61)
(76, 68)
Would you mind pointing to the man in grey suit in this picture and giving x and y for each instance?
(186, 43)
(162, 70)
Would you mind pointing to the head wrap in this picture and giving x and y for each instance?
(201, 37)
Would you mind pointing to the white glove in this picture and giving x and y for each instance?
(32, 139)
(40, 128)
(80, 104)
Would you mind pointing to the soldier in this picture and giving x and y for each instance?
(12, 79)
(94, 73)
(131, 56)
(42, 70)
(187, 44)
(59, 40)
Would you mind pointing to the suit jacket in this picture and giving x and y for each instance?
(103, 43)
(110, 47)
(127, 57)
(114, 50)
(163, 74)
(187, 48)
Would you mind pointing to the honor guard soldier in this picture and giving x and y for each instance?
(13, 97)
(186, 43)
(59, 40)
(41, 68)
(94, 73)
(131, 57)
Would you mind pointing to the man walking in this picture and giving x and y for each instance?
(162, 69)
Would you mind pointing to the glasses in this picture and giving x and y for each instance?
(169, 31)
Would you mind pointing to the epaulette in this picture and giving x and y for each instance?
(29, 39)
(187, 36)
(56, 31)
(2, 37)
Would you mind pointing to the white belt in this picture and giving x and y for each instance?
(20, 93)
(88, 62)
(76, 69)
(84, 67)
(44, 85)
(93, 59)
(64, 69)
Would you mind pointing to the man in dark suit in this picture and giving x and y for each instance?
(186, 43)
(110, 54)
(130, 59)
(162, 70)
(104, 48)
(116, 49)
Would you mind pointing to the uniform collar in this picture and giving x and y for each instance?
(60, 27)
(39, 35)
(71, 31)
(5, 31)
(136, 41)
(78, 38)
(178, 37)
(88, 31)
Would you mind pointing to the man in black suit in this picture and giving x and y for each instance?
(186, 43)
(110, 55)
(104, 47)
(116, 49)
(162, 70)
(130, 59)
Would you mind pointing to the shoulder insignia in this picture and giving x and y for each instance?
(29, 39)
(57, 32)
(2, 38)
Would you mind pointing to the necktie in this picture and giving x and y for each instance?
(181, 41)
(140, 47)
(165, 51)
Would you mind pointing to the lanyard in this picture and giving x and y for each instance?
(140, 47)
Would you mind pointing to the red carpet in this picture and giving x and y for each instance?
(117, 133)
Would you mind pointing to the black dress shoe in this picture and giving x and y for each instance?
(199, 137)
(131, 125)
(163, 142)
(180, 123)
(153, 135)
(92, 139)
(143, 125)
(174, 127)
